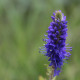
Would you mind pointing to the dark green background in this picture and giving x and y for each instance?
(23, 24)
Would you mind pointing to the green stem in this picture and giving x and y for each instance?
(52, 73)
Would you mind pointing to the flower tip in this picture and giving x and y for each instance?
(58, 15)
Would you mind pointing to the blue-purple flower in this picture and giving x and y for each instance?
(55, 47)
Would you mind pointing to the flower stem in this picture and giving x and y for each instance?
(52, 73)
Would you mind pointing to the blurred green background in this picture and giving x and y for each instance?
(23, 24)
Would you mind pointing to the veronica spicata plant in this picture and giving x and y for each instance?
(55, 48)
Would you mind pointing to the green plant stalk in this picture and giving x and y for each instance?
(51, 77)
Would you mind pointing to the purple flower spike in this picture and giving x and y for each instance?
(55, 46)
